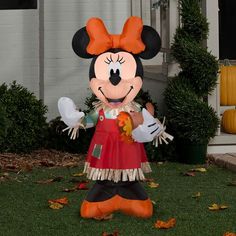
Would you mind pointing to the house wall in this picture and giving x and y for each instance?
(35, 45)
(19, 40)
(64, 73)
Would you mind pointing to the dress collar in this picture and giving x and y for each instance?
(132, 106)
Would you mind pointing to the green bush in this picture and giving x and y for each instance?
(190, 117)
(26, 121)
(197, 64)
(59, 140)
(4, 123)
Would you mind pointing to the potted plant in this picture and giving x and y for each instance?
(192, 120)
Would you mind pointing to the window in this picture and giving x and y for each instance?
(227, 29)
(18, 4)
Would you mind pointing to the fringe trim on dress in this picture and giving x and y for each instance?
(117, 175)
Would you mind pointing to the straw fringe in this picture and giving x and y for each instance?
(117, 175)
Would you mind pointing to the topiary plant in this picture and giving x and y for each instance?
(26, 119)
(190, 117)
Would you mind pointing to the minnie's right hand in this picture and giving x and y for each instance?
(69, 115)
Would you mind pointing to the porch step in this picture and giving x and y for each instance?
(223, 139)
(227, 160)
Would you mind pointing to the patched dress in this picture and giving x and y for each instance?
(111, 158)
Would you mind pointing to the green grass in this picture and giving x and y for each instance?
(24, 209)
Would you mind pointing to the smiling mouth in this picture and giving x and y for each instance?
(116, 100)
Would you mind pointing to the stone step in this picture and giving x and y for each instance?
(227, 160)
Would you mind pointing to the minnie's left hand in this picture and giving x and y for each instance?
(150, 129)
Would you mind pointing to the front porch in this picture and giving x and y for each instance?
(165, 18)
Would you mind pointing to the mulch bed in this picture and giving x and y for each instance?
(40, 158)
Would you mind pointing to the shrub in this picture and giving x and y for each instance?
(190, 118)
(59, 140)
(4, 124)
(189, 115)
(26, 119)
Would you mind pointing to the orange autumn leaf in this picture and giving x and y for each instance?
(229, 234)
(63, 201)
(122, 118)
(125, 125)
(165, 224)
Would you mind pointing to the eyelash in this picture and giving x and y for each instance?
(109, 60)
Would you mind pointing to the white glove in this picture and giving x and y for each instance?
(148, 130)
(69, 115)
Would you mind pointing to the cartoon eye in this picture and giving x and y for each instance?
(108, 60)
(120, 60)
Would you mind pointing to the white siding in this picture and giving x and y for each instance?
(64, 73)
(19, 48)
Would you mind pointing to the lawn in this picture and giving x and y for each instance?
(25, 211)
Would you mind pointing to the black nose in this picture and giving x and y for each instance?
(115, 77)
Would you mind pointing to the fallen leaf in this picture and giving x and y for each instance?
(55, 205)
(165, 224)
(229, 234)
(47, 163)
(70, 164)
(11, 166)
(63, 201)
(78, 174)
(82, 186)
(188, 173)
(223, 207)
(153, 185)
(148, 180)
(200, 169)
(197, 195)
(48, 181)
(115, 233)
(217, 207)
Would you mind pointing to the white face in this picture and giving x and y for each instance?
(115, 83)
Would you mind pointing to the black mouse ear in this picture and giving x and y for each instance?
(80, 42)
(152, 41)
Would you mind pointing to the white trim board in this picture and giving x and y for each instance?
(221, 149)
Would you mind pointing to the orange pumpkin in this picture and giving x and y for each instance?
(229, 121)
(228, 86)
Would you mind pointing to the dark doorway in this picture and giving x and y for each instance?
(227, 29)
(18, 4)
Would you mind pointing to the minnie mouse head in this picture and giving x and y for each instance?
(116, 70)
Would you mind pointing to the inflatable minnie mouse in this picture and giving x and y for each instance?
(116, 157)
